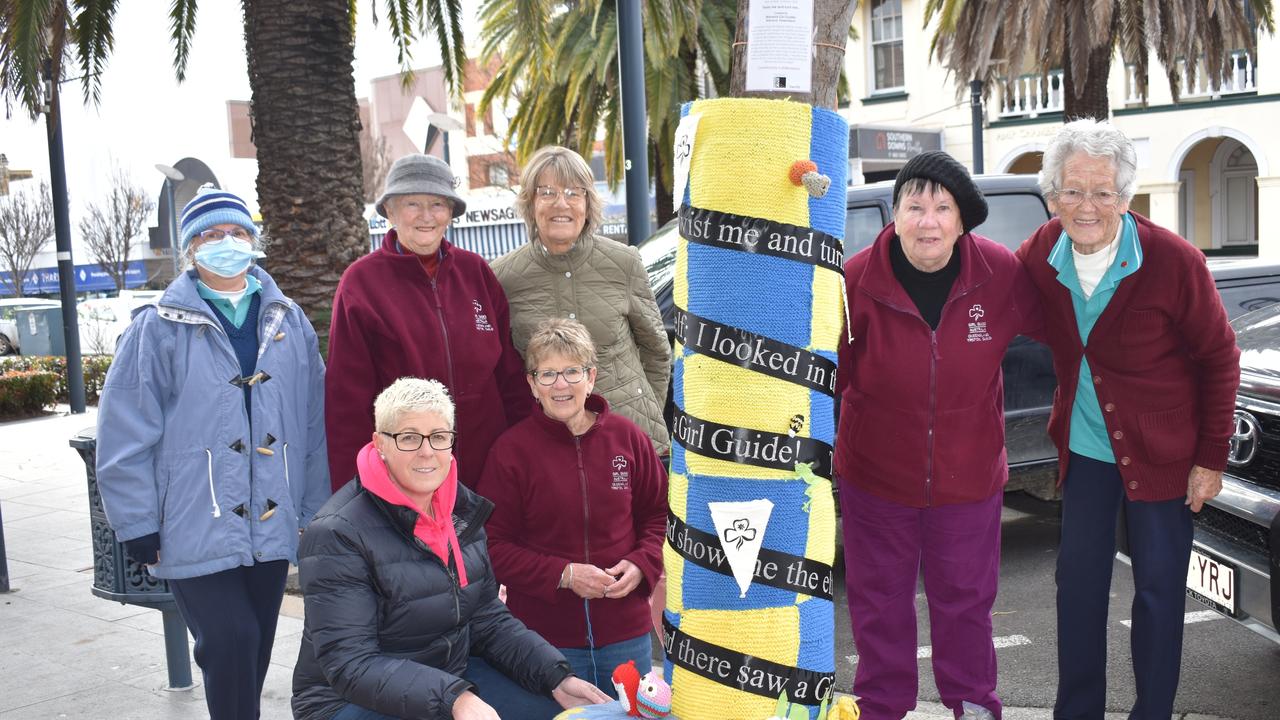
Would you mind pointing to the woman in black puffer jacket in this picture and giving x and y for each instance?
(402, 612)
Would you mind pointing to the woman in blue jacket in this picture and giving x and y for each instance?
(211, 447)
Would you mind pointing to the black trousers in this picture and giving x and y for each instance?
(232, 616)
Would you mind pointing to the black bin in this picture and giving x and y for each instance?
(117, 577)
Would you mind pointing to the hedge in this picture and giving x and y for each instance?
(27, 392)
(94, 366)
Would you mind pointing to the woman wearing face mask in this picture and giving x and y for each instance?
(211, 446)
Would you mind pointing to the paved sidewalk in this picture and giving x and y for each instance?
(65, 653)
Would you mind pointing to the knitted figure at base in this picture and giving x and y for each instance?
(626, 681)
(654, 696)
(647, 697)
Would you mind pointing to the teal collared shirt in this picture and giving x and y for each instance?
(235, 314)
(1088, 429)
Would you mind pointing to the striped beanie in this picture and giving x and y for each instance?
(210, 207)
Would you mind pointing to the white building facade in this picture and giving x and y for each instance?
(1209, 164)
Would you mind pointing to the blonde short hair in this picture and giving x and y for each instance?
(560, 336)
(570, 170)
(411, 395)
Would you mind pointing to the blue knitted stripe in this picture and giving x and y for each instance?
(829, 149)
(767, 295)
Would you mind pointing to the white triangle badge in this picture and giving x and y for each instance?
(740, 527)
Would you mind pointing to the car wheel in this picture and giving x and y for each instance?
(6, 347)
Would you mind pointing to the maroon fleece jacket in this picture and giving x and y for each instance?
(597, 498)
(391, 320)
(922, 410)
(1164, 360)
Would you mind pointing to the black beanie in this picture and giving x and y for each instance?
(944, 170)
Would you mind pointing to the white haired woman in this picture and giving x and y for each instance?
(402, 612)
(211, 446)
(567, 271)
(1147, 371)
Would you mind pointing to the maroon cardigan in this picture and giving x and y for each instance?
(1164, 360)
(597, 498)
(922, 411)
(391, 320)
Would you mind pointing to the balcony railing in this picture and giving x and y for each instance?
(1030, 95)
(1194, 81)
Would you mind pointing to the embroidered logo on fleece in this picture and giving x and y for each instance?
(482, 320)
(977, 328)
(621, 475)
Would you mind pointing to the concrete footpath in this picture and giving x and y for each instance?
(65, 653)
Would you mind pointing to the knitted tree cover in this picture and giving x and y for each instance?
(758, 291)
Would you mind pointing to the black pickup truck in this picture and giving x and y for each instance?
(1016, 210)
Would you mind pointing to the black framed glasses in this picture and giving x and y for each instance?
(411, 441)
(572, 375)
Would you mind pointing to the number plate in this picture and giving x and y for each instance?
(1212, 581)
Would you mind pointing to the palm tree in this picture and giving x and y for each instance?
(986, 39)
(558, 61)
(304, 114)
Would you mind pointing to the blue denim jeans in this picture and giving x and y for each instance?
(596, 666)
(508, 699)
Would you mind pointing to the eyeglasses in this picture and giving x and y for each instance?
(411, 441)
(214, 234)
(572, 375)
(573, 195)
(1102, 198)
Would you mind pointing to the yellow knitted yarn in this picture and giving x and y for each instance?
(742, 167)
(730, 395)
(771, 634)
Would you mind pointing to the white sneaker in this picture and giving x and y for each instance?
(976, 712)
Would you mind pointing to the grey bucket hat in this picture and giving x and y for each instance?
(420, 175)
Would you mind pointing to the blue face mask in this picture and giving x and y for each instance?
(227, 257)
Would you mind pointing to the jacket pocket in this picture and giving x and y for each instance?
(195, 526)
(1168, 435)
(1143, 326)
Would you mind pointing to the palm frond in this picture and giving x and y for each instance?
(182, 27)
(24, 46)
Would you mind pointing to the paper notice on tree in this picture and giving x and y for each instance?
(740, 527)
(686, 133)
(780, 45)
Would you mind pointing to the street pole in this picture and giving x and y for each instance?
(173, 226)
(635, 135)
(975, 106)
(171, 176)
(62, 236)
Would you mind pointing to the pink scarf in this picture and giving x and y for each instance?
(437, 533)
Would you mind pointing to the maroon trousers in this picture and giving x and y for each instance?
(886, 545)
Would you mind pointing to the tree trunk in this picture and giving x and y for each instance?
(306, 126)
(831, 20)
(1088, 98)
